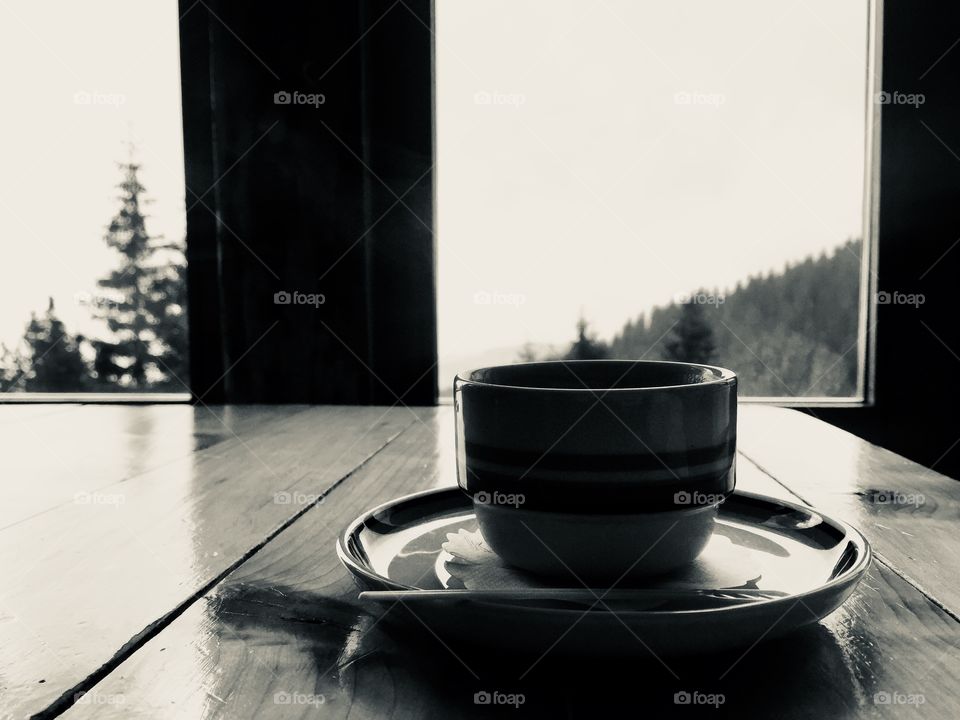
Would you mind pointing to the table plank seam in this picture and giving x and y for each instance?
(915, 585)
(773, 477)
(70, 696)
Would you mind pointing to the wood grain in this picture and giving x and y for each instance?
(286, 626)
(84, 578)
(60, 451)
(908, 512)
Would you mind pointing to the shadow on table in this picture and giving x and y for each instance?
(375, 661)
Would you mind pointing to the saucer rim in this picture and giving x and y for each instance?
(846, 580)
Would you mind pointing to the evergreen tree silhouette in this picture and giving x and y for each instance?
(52, 361)
(692, 337)
(13, 368)
(586, 347)
(145, 302)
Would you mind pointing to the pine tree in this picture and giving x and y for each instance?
(586, 347)
(52, 361)
(144, 306)
(13, 368)
(528, 353)
(692, 337)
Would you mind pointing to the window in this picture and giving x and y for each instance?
(92, 295)
(680, 181)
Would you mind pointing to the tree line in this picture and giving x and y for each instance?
(142, 302)
(788, 333)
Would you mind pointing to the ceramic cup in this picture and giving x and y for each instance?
(601, 469)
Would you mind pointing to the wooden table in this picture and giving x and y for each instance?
(179, 562)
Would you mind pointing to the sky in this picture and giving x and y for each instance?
(602, 156)
(81, 80)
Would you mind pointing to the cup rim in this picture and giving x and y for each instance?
(723, 376)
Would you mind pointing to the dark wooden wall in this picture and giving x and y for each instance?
(334, 199)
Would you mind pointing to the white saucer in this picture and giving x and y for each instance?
(793, 565)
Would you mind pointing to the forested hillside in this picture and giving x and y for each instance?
(785, 333)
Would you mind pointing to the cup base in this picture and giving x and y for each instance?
(596, 548)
